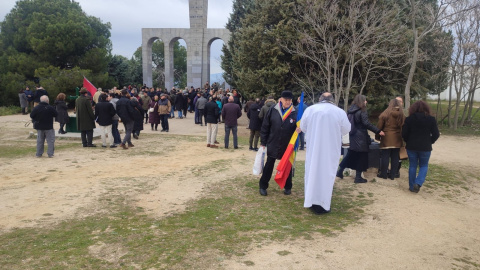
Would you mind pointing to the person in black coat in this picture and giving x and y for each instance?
(211, 112)
(62, 111)
(42, 117)
(255, 123)
(419, 131)
(125, 111)
(179, 100)
(137, 117)
(278, 126)
(104, 113)
(38, 93)
(357, 156)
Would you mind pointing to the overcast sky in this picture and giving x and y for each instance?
(129, 17)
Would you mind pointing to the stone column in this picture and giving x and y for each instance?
(147, 61)
(169, 69)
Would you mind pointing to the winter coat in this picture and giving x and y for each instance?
(276, 133)
(23, 100)
(125, 110)
(85, 115)
(360, 141)
(153, 117)
(268, 104)
(392, 130)
(38, 94)
(137, 115)
(145, 102)
(179, 100)
(419, 132)
(43, 114)
(29, 94)
(252, 114)
(164, 106)
(211, 112)
(236, 99)
(113, 101)
(62, 111)
(104, 113)
(230, 113)
(200, 104)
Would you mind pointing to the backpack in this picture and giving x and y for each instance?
(351, 119)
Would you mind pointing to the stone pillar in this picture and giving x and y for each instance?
(147, 62)
(169, 69)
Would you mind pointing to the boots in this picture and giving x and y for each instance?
(340, 173)
(359, 178)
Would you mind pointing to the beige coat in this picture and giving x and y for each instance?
(165, 107)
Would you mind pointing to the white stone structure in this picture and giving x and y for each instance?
(198, 39)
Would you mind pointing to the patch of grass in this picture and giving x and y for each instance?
(223, 224)
(469, 261)
(470, 129)
(284, 253)
(10, 110)
(21, 149)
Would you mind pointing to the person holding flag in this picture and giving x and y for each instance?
(278, 126)
(324, 125)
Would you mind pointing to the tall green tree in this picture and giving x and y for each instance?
(50, 34)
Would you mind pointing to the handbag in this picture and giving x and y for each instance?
(403, 153)
(151, 110)
(259, 161)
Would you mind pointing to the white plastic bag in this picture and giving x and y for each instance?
(259, 161)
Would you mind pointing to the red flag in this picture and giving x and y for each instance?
(89, 86)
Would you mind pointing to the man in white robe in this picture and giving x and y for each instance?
(324, 125)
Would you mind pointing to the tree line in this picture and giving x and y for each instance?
(382, 48)
(54, 43)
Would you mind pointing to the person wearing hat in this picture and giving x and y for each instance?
(278, 126)
(85, 118)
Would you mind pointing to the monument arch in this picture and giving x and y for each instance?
(198, 39)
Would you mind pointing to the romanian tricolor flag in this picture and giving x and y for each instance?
(286, 163)
(89, 86)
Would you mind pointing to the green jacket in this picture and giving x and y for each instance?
(85, 115)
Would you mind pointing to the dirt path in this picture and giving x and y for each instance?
(400, 229)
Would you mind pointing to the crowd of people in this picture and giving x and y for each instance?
(271, 122)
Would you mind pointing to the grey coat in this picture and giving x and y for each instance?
(23, 100)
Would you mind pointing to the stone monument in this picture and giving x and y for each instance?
(198, 38)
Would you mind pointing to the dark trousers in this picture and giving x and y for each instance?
(254, 136)
(164, 119)
(87, 137)
(146, 115)
(267, 174)
(227, 135)
(386, 155)
(61, 127)
(199, 117)
(116, 135)
(301, 137)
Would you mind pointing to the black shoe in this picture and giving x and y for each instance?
(104, 146)
(255, 149)
(236, 147)
(301, 148)
(318, 210)
(251, 148)
(263, 192)
(91, 145)
(382, 176)
(287, 191)
(113, 146)
(359, 181)
(416, 188)
(339, 174)
(135, 136)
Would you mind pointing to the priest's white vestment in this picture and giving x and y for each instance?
(324, 124)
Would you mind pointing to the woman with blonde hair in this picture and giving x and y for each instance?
(61, 108)
(391, 122)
